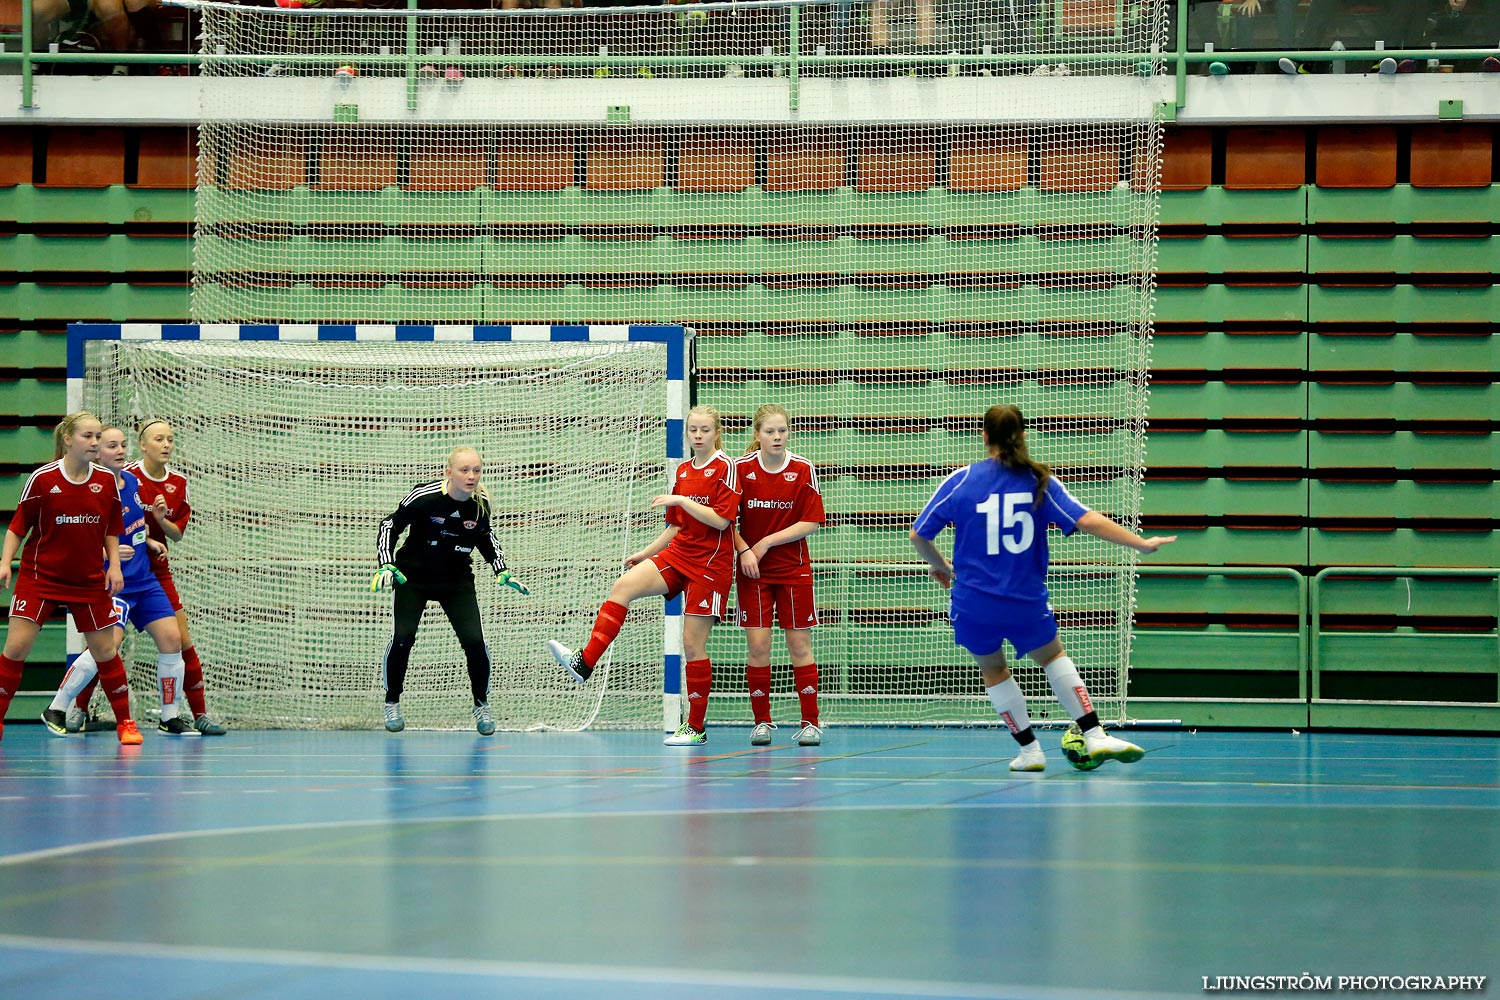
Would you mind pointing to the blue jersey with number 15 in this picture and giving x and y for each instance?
(1000, 535)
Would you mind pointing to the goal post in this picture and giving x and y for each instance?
(297, 439)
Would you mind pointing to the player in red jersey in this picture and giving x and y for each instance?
(68, 513)
(780, 507)
(693, 556)
(165, 492)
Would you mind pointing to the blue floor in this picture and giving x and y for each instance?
(889, 862)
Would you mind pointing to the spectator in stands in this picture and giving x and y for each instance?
(1450, 24)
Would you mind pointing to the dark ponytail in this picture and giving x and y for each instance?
(1005, 429)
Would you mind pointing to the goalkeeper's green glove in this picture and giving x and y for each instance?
(386, 578)
(506, 580)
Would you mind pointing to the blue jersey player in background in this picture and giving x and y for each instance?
(141, 602)
(1000, 509)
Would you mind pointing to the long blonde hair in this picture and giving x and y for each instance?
(65, 428)
(710, 412)
(481, 495)
(763, 411)
(1005, 429)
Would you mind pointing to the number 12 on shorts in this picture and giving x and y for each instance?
(1016, 515)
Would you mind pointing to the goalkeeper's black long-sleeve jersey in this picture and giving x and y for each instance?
(441, 532)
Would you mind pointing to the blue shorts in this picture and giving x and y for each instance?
(981, 623)
(142, 605)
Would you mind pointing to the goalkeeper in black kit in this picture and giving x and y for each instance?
(445, 521)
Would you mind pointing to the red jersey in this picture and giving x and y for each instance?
(172, 486)
(698, 551)
(776, 500)
(65, 524)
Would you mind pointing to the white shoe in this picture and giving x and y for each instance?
(760, 736)
(809, 736)
(1387, 67)
(394, 723)
(686, 736)
(1063, 69)
(77, 719)
(569, 660)
(1287, 66)
(1042, 70)
(1106, 747)
(1031, 758)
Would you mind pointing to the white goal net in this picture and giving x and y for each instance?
(294, 451)
(884, 215)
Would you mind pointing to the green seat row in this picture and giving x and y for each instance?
(1215, 350)
(30, 302)
(25, 446)
(1404, 547)
(1404, 255)
(29, 397)
(1403, 204)
(1285, 497)
(1239, 400)
(1404, 401)
(114, 206)
(752, 255)
(934, 398)
(1212, 304)
(1404, 450)
(1434, 304)
(1216, 254)
(1404, 352)
(112, 253)
(392, 302)
(1217, 206)
(29, 349)
(1404, 499)
(665, 206)
(1215, 449)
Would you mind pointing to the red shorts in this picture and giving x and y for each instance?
(88, 616)
(164, 577)
(792, 604)
(699, 597)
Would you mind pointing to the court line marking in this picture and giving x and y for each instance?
(492, 969)
(375, 826)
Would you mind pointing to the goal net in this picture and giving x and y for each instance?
(295, 449)
(884, 215)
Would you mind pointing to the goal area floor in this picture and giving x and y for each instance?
(888, 862)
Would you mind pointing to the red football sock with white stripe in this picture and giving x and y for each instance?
(116, 687)
(758, 681)
(806, 677)
(606, 626)
(700, 675)
(10, 680)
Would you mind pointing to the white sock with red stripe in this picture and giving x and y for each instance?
(1010, 705)
(82, 670)
(170, 673)
(1062, 674)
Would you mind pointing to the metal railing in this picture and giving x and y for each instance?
(790, 57)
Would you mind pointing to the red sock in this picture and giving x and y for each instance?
(606, 626)
(116, 687)
(700, 675)
(10, 680)
(87, 694)
(192, 681)
(759, 681)
(807, 691)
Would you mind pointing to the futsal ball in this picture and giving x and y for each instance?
(1076, 749)
(345, 74)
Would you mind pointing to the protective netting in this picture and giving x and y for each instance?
(886, 216)
(295, 451)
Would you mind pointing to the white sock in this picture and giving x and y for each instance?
(1068, 686)
(82, 670)
(170, 673)
(1010, 704)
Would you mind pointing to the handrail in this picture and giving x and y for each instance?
(1285, 572)
(1316, 613)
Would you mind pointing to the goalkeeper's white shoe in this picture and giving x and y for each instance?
(1031, 758)
(570, 660)
(394, 723)
(484, 721)
(1106, 747)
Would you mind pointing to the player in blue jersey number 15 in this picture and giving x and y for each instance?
(1000, 508)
